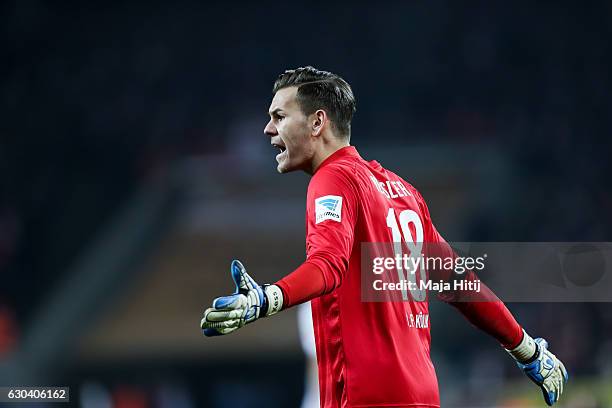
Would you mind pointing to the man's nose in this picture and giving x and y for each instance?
(270, 129)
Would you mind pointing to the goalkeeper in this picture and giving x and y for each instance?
(368, 353)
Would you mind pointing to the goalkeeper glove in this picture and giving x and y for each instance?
(541, 366)
(249, 302)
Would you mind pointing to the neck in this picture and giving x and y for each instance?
(327, 149)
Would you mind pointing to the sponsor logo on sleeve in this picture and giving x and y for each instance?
(328, 207)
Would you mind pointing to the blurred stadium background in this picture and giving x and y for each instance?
(134, 168)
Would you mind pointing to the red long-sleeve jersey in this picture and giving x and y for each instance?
(370, 354)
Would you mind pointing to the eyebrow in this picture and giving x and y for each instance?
(275, 111)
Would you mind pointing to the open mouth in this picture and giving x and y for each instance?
(282, 152)
(281, 149)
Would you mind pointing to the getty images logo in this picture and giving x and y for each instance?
(328, 207)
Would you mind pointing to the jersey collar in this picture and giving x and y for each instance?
(347, 151)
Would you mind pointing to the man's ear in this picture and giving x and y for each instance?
(320, 120)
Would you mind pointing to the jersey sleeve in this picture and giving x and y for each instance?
(331, 218)
(483, 309)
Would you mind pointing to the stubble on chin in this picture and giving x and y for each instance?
(282, 167)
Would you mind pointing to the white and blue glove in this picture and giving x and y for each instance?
(249, 302)
(541, 366)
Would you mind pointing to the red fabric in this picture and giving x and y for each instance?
(483, 309)
(366, 353)
(369, 353)
(493, 318)
(303, 284)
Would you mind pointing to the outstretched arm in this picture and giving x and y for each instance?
(329, 242)
(251, 301)
(487, 312)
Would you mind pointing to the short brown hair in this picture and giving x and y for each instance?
(321, 90)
